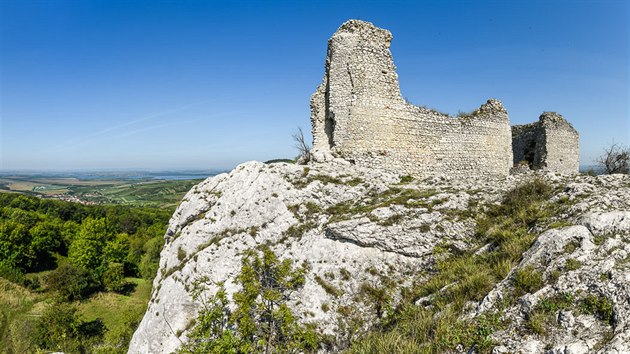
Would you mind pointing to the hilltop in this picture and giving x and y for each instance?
(528, 263)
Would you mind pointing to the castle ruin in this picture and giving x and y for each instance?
(551, 143)
(359, 114)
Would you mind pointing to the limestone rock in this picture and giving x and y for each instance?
(590, 261)
(608, 223)
(356, 226)
(286, 206)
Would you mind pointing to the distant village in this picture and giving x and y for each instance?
(68, 198)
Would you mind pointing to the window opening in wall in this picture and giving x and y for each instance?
(530, 153)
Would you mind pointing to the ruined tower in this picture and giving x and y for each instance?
(358, 114)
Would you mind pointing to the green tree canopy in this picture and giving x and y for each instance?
(87, 248)
(261, 322)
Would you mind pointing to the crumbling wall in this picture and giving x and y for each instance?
(551, 144)
(562, 143)
(358, 113)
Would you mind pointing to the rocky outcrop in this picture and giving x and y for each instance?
(352, 225)
(584, 304)
(356, 226)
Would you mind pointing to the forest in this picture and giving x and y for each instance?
(64, 266)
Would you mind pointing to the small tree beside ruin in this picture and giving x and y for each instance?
(616, 159)
(303, 147)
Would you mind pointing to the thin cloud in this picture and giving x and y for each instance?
(90, 137)
(127, 133)
(154, 127)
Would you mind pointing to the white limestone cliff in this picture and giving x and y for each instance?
(310, 213)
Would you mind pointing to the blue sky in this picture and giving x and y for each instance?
(210, 84)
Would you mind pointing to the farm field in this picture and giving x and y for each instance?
(126, 191)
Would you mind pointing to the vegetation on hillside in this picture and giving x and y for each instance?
(261, 321)
(508, 229)
(65, 266)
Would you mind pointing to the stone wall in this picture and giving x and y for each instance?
(358, 113)
(551, 144)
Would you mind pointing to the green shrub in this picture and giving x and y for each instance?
(406, 179)
(555, 303)
(329, 288)
(261, 320)
(544, 313)
(71, 283)
(538, 322)
(114, 278)
(379, 298)
(345, 274)
(553, 276)
(296, 231)
(571, 246)
(181, 254)
(11, 273)
(599, 239)
(598, 306)
(60, 328)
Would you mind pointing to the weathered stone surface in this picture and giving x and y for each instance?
(413, 235)
(608, 223)
(599, 248)
(551, 144)
(359, 114)
(354, 218)
(257, 204)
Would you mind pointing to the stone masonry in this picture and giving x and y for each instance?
(358, 114)
(551, 143)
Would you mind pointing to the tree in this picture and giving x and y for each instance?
(303, 148)
(261, 322)
(151, 257)
(46, 239)
(616, 159)
(15, 242)
(86, 250)
(116, 250)
(25, 203)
